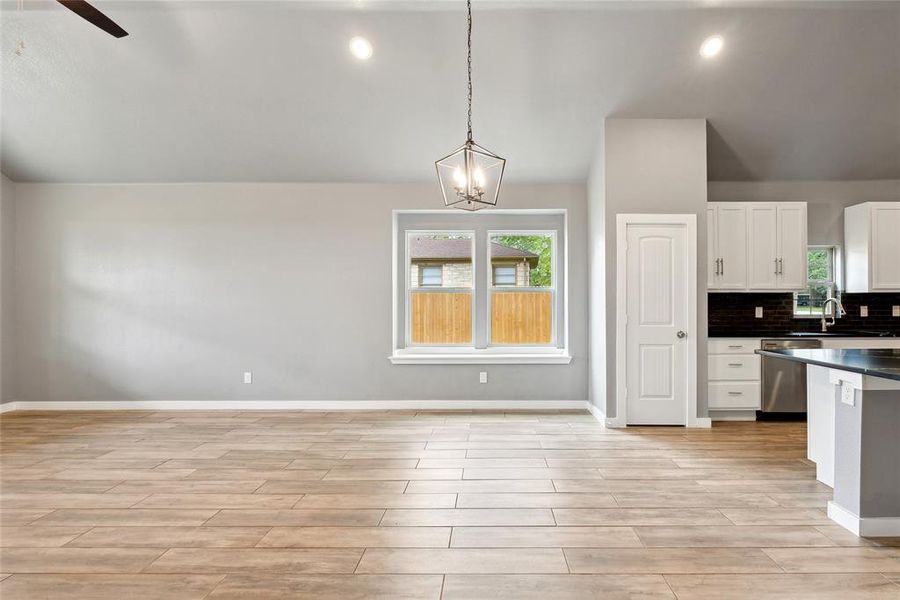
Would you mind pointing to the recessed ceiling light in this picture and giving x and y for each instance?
(711, 46)
(361, 48)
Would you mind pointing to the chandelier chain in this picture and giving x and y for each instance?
(469, 64)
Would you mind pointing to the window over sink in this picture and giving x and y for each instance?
(822, 275)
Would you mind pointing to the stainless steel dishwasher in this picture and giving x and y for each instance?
(784, 381)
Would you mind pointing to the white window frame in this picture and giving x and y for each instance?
(480, 352)
(491, 288)
(834, 283)
(427, 289)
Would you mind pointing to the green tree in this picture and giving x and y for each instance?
(817, 261)
(542, 245)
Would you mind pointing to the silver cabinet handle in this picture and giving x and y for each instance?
(781, 266)
(735, 393)
(735, 364)
(723, 265)
(776, 266)
(681, 335)
(736, 346)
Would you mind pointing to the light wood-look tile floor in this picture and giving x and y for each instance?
(455, 505)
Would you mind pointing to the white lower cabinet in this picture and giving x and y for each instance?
(734, 395)
(734, 367)
(733, 374)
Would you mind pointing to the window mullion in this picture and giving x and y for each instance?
(481, 287)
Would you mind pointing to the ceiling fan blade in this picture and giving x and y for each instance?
(94, 16)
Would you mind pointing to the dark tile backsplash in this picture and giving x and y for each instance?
(733, 314)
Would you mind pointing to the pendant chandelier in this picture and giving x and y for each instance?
(470, 176)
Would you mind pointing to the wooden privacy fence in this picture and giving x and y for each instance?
(516, 317)
(441, 318)
(521, 317)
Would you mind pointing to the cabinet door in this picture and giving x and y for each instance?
(732, 231)
(762, 227)
(792, 246)
(712, 252)
(885, 246)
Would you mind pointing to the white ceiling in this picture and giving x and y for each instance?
(267, 91)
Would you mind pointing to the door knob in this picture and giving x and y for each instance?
(681, 335)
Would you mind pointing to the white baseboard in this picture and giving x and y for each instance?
(698, 422)
(298, 405)
(864, 526)
(598, 414)
(732, 415)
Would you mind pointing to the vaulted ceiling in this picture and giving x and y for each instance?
(267, 91)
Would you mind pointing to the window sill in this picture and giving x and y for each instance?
(401, 357)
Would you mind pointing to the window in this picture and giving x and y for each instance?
(483, 288)
(504, 275)
(431, 275)
(822, 269)
(440, 307)
(522, 304)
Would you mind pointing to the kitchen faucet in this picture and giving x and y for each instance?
(838, 309)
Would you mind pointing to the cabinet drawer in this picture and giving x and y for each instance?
(733, 345)
(731, 367)
(734, 395)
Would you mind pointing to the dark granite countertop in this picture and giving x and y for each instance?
(877, 362)
(808, 334)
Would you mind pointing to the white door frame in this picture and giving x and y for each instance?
(689, 221)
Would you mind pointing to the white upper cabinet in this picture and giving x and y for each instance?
(757, 246)
(872, 247)
(727, 227)
(712, 244)
(792, 250)
(762, 233)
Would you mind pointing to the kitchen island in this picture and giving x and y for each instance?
(854, 433)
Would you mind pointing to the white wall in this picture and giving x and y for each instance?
(650, 166)
(170, 292)
(7, 290)
(827, 199)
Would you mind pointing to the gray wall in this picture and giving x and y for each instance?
(7, 290)
(651, 166)
(596, 191)
(170, 292)
(827, 199)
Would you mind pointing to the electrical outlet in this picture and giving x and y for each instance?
(864, 311)
(895, 311)
(482, 377)
(248, 377)
(848, 393)
(759, 312)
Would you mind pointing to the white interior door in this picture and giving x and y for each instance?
(657, 305)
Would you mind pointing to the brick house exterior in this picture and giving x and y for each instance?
(454, 257)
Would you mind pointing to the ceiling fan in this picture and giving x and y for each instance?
(94, 16)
